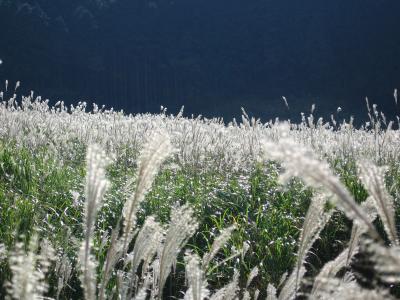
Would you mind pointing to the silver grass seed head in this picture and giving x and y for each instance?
(229, 291)
(271, 293)
(300, 161)
(218, 243)
(197, 285)
(338, 289)
(154, 153)
(181, 227)
(147, 243)
(359, 229)
(3, 252)
(315, 221)
(96, 182)
(29, 270)
(326, 282)
(96, 186)
(290, 287)
(253, 274)
(246, 295)
(373, 179)
(387, 261)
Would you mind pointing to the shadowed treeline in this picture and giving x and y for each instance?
(212, 57)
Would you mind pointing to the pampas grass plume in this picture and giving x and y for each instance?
(96, 186)
(157, 149)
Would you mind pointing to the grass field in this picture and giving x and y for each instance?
(95, 204)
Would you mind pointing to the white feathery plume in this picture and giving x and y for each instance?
(123, 280)
(96, 186)
(358, 230)
(141, 295)
(181, 227)
(143, 291)
(253, 274)
(17, 84)
(2, 252)
(271, 292)
(229, 291)
(327, 287)
(147, 243)
(29, 271)
(24, 274)
(155, 275)
(283, 279)
(312, 108)
(46, 256)
(64, 272)
(289, 289)
(285, 101)
(219, 242)
(387, 262)
(114, 253)
(373, 179)
(329, 271)
(197, 285)
(351, 291)
(103, 241)
(300, 161)
(157, 149)
(315, 220)
(246, 295)
(257, 294)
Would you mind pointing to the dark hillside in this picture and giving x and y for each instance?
(211, 56)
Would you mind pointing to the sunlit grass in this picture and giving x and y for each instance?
(216, 174)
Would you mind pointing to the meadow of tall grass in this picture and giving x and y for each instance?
(97, 204)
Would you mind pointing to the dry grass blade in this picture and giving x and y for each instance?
(373, 178)
(182, 226)
(157, 149)
(96, 186)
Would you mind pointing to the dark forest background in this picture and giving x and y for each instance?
(212, 56)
